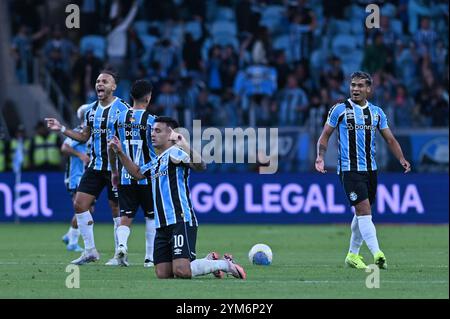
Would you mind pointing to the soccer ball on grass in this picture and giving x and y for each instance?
(260, 254)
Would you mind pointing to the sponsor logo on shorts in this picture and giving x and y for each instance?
(177, 251)
(353, 196)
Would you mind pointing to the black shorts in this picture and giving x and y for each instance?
(93, 181)
(175, 241)
(133, 196)
(359, 186)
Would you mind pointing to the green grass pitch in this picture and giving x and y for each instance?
(308, 263)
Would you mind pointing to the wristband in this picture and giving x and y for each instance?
(63, 129)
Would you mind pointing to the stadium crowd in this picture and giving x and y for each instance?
(237, 63)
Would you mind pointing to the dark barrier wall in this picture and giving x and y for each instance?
(250, 198)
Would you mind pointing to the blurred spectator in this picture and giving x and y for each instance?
(59, 42)
(204, 110)
(168, 102)
(228, 66)
(166, 55)
(19, 151)
(4, 151)
(213, 67)
(407, 65)
(425, 37)
(439, 105)
(135, 51)
(301, 28)
(44, 149)
(261, 47)
(417, 9)
(375, 55)
(59, 70)
(85, 72)
(192, 53)
(282, 67)
(22, 51)
(117, 38)
(293, 104)
(403, 107)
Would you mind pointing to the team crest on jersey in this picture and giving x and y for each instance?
(349, 114)
(353, 196)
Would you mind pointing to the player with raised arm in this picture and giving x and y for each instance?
(175, 220)
(98, 125)
(356, 121)
(133, 129)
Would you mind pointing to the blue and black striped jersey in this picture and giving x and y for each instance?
(356, 126)
(169, 173)
(101, 122)
(133, 128)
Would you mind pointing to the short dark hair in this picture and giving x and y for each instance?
(140, 89)
(170, 122)
(111, 72)
(362, 75)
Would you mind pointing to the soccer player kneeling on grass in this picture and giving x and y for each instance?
(176, 224)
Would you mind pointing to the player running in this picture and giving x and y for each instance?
(98, 125)
(356, 121)
(133, 129)
(77, 160)
(175, 220)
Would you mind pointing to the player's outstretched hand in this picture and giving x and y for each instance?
(320, 165)
(406, 165)
(53, 124)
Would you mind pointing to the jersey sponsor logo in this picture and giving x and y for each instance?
(100, 130)
(350, 127)
(128, 125)
(163, 173)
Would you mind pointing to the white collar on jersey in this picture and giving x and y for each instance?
(357, 105)
(105, 107)
(167, 150)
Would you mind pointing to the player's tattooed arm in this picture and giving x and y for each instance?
(130, 166)
(321, 150)
(83, 136)
(322, 145)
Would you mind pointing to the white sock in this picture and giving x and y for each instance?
(73, 235)
(86, 226)
(368, 233)
(150, 232)
(356, 239)
(68, 232)
(122, 235)
(116, 224)
(200, 267)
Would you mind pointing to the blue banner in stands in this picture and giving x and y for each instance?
(248, 198)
